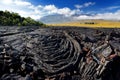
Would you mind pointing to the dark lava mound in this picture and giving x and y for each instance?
(33, 53)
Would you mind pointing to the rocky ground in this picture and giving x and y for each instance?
(33, 53)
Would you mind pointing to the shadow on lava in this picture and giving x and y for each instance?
(113, 70)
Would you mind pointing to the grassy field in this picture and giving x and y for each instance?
(91, 23)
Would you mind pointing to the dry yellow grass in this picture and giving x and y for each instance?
(97, 24)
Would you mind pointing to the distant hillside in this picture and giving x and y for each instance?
(14, 19)
(57, 18)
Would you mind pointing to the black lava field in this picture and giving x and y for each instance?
(59, 53)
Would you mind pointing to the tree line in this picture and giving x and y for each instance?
(14, 19)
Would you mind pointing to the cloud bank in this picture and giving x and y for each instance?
(26, 9)
(106, 16)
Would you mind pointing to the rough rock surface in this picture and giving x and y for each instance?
(33, 53)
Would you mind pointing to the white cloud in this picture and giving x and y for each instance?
(106, 16)
(84, 5)
(89, 4)
(50, 7)
(22, 3)
(112, 7)
(6, 1)
(78, 6)
(111, 16)
(66, 11)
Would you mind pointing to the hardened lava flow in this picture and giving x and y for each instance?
(34, 53)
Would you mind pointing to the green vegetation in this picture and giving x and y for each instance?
(14, 19)
(89, 23)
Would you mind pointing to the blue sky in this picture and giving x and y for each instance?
(99, 5)
(85, 9)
